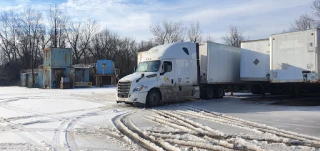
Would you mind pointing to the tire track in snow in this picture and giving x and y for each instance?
(60, 136)
(294, 138)
(132, 137)
(197, 130)
(179, 120)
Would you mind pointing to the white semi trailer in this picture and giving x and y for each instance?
(177, 71)
(255, 67)
(295, 59)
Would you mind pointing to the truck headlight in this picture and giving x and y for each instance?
(139, 88)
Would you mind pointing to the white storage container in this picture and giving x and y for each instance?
(219, 63)
(255, 60)
(295, 57)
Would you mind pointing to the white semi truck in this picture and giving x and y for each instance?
(179, 71)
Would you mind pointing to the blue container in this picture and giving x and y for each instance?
(29, 80)
(40, 78)
(46, 78)
(23, 79)
(82, 75)
(57, 57)
(104, 67)
(69, 72)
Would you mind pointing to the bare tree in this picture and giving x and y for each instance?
(305, 22)
(58, 23)
(168, 31)
(194, 32)
(8, 34)
(103, 44)
(234, 37)
(30, 33)
(316, 7)
(209, 38)
(145, 45)
(79, 38)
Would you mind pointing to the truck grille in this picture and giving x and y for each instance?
(123, 89)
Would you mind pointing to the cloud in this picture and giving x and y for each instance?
(121, 16)
(256, 19)
(133, 18)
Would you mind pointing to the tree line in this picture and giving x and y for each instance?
(308, 21)
(25, 34)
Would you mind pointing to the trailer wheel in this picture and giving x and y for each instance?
(256, 89)
(153, 98)
(203, 93)
(209, 93)
(219, 93)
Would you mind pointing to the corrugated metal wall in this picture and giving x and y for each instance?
(57, 57)
(104, 67)
(40, 78)
(29, 80)
(23, 79)
(82, 75)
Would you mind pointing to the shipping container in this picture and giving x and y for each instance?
(52, 76)
(47, 77)
(255, 60)
(82, 75)
(294, 57)
(140, 55)
(57, 57)
(40, 78)
(105, 67)
(23, 79)
(219, 63)
(30, 79)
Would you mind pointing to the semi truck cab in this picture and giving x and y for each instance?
(165, 73)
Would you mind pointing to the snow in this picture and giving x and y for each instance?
(11, 137)
(90, 119)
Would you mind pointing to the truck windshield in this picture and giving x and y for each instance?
(148, 66)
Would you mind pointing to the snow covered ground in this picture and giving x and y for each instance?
(89, 119)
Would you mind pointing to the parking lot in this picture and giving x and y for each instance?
(90, 119)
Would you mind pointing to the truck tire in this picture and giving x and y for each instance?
(256, 89)
(153, 98)
(203, 93)
(209, 93)
(219, 93)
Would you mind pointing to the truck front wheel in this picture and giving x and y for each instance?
(153, 98)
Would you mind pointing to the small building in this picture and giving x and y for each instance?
(106, 73)
(26, 78)
(57, 63)
(82, 72)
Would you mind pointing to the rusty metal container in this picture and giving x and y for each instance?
(52, 76)
(57, 57)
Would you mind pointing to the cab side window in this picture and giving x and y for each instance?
(167, 66)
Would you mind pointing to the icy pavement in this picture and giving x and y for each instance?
(89, 119)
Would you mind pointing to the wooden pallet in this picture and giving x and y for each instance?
(89, 84)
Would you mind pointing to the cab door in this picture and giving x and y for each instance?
(168, 83)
